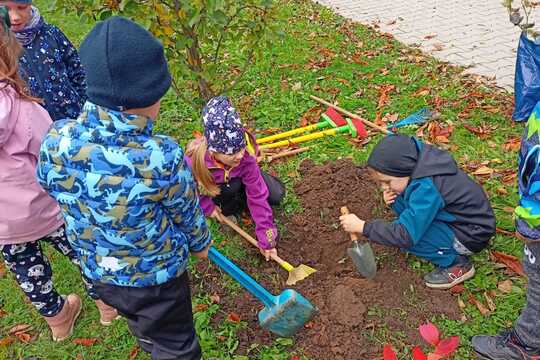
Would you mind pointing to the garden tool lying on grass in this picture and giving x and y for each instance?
(354, 127)
(419, 117)
(295, 273)
(331, 118)
(361, 255)
(283, 314)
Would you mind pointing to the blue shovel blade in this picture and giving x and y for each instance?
(417, 118)
(288, 315)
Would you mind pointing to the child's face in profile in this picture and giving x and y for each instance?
(394, 184)
(19, 14)
(230, 160)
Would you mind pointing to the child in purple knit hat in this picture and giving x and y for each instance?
(224, 163)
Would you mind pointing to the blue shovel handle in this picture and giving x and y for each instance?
(244, 279)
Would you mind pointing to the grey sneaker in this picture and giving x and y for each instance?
(505, 346)
(446, 278)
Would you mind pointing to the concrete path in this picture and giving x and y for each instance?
(471, 33)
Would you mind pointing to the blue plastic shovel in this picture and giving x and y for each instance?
(418, 118)
(284, 314)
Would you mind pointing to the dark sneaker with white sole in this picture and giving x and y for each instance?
(505, 346)
(446, 278)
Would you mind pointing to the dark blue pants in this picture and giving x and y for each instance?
(33, 271)
(159, 316)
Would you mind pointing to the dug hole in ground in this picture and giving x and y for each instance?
(353, 311)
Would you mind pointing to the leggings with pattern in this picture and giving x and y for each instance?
(33, 271)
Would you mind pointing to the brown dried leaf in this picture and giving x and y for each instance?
(421, 92)
(24, 337)
(458, 289)
(85, 341)
(481, 307)
(233, 317)
(311, 116)
(501, 191)
(505, 286)
(483, 131)
(19, 328)
(512, 144)
(384, 95)
(201, 307)
(6, 341)
(510, 261)
(134, 352)
(483, 171)
(489, 301)
(215, 299)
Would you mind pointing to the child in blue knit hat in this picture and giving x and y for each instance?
(224, 163)
(49, 64)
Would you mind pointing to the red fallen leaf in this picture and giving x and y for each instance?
(85, 341)
(196, 134)
(221, 338)
(24, 337)
(418, 354)
(201, 307)
(79, 357)
(388, 353)
(458, 289)
(433, 356)
(483, 131)
(430, 333)
(233, 317)
(295, 357)
(439, 134)
(7, 341)
(510, 261)
(134, 352)
(447, 346)
(384, 95)
(512, 144)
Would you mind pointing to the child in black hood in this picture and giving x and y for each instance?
(443, 215)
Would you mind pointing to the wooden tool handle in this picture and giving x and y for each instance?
(345, 211)
(252, 241)
(288, 153)
(351, 115)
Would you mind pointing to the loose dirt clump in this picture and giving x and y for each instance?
(353, 312)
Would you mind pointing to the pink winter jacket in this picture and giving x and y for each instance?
(27, 213)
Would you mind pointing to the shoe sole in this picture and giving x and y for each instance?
(480, 356)
(469, 274)
(109, 323)
(72, 326)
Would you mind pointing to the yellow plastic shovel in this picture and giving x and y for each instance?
(295, 273)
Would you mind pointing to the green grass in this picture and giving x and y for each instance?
(273, 103)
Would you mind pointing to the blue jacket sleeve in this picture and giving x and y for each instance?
(416, 214)
(182, 204)
(74, 68)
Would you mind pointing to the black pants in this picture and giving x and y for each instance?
(159, 316)
(232, 199)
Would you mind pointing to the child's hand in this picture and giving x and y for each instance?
(268, 253)
(203, 254)
(351, 223)
(389, 197)
(216, 214)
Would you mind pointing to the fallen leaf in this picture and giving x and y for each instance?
(6, 341)
(430, 36)
(2, 270)
(24, 337)
(483, 171)
(512, 262)
(384, 95)
(297, 86)
(461, 304)
(512, 144)
(505, 286)
(215, 299)
(430, 333)
(418, 354)
(501, 191)
(433, 356)
(134, 352)
(421, 92)
(438, 47)
(483, 310)
(85, 341)
(483, 131)
(388, 353)
(458, 289)
(2, 313)
(389, 119)
(19, 328)
(201, 307)
(196, 134)
(295, 357)
(438, 133)
(505, 232)
(490, 303)
(233, 317)
(311, 116)
(447, 346)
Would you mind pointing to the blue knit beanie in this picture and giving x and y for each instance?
(223, 129)
(125, 65)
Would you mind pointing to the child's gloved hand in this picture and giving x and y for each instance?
(268, 253)
(351, 223)
(389, 197)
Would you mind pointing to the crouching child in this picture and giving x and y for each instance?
(443, 216)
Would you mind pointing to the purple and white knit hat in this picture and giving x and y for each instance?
(223, 129)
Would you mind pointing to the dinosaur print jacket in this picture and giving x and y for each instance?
(127, 197)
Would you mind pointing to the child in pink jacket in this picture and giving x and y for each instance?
(28, 214)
